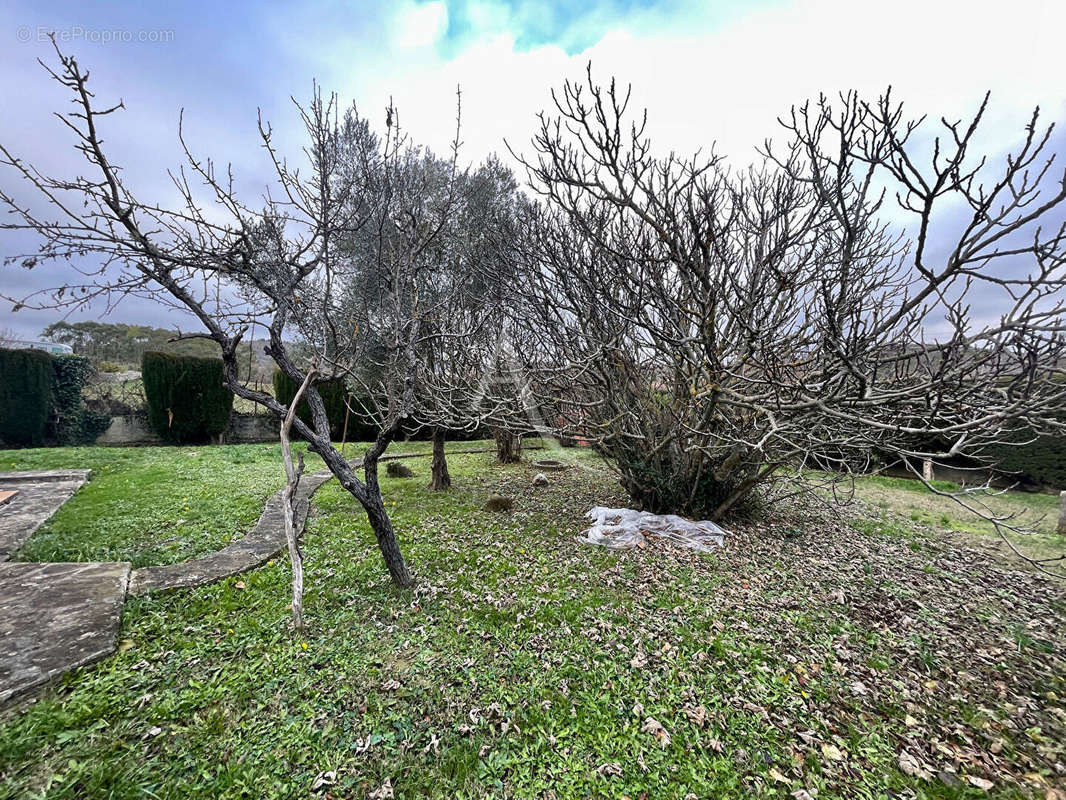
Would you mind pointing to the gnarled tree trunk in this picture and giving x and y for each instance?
(369, 496)
(508, 446)
(387, 544)
(440, 481)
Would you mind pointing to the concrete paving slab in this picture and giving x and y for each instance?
(40, 494)
(55, 617)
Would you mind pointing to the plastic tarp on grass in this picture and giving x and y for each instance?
(623, 528)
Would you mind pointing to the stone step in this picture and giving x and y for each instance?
(46, 476)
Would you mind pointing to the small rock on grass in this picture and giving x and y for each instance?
(394, 469)
(540, 479)
(498, 502)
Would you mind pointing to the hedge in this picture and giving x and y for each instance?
(334, 394)
(1042, 461)
(72, 423)
(25, 396)
(187, 399)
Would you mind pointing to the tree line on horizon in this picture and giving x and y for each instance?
(123, 344)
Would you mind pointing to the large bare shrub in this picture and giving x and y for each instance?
(715, 330)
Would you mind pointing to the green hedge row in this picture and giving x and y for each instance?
(25, 397)
(41, 401)
(334, 394)
(187, 399)
(1042, 461)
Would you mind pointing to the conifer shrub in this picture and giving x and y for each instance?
(25, 397)
(334, 394)
(187, 399)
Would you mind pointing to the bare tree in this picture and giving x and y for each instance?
(234, 266)
(715, 331)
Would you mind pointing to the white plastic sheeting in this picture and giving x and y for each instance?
(621, 528)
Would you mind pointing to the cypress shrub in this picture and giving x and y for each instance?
(187, 400)
(334, 393)
(25, 396)
(72, 422)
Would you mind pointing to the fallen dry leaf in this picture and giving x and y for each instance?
(832, 752)
(909, 765)
(697, 715)
(655, 728)
(324, 779)
(382, 793)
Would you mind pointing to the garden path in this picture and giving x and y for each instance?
(55, 617)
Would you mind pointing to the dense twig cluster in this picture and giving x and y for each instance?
(714, 330)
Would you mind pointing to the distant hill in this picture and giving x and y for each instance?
(123, 345)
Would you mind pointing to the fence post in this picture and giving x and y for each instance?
(927, 469)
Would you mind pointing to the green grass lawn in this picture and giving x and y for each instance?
(159, 505)
(152, 505)
(844, 657)
(1040, 512)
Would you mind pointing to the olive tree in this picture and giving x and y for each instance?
(455, 284)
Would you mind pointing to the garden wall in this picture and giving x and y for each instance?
(133, 429)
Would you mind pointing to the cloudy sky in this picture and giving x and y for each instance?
(707, 72)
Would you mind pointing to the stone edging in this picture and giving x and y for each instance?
(259, 545)
(79, 476)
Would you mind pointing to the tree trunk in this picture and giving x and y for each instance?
(441, 481)
(1062, 514)
(369, 496)
(289, 509)
(742, 491)
(386, 538)
(927, 469)
(295, 557)
(508, 446)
